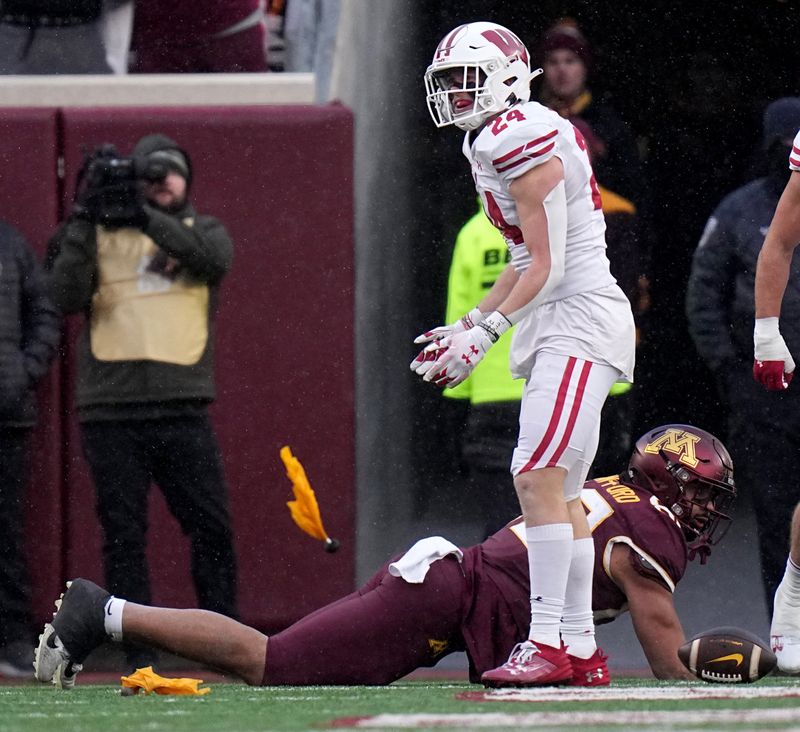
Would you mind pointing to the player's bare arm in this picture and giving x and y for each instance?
(530, 191)
(500, 290)
(772, 272)
(653, 614)
(773, 364)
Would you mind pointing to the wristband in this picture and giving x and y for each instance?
(495, 324)
(472, 318)
(766, 329)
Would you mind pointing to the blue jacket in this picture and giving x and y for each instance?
(720, 295)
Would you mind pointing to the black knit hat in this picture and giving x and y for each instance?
(781, 120)
(565, 34)
(166, 151)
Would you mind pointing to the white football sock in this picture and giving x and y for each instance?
(549, 558)
(112, 617)
(577, 627)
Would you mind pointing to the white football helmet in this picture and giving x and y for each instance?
(484, 60)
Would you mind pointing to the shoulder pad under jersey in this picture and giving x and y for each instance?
(519, 139)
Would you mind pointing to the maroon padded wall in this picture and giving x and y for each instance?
(281, 180)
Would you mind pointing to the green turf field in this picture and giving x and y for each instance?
(771, 704)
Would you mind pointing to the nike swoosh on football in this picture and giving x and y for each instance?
(738, 657)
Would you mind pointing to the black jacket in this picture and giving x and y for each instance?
(138, 389)
(29, 329)
(720, 300)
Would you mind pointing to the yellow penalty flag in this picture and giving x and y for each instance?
(304, 507)
(149, 681)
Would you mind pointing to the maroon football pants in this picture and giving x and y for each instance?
(375, 635)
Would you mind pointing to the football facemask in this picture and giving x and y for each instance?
(482, 62)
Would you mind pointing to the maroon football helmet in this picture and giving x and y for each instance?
(684, 466)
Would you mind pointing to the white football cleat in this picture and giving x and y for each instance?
(64, 677)
(50, 655)
(77, 629)
(784, 634)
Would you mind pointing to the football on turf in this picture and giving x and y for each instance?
(727, 656)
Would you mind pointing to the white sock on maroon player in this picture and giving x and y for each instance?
(112, 617)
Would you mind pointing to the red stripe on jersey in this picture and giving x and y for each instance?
(554, 417)
(509, 155)
(794, 161)
(573, 415)
(795, 150)
(531, 156)
(526, 146)
(517, 162)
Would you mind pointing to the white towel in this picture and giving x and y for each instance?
(415, 563)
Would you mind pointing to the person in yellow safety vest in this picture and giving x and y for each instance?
(479, 256)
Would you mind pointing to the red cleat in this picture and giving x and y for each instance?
(531, 665)
(591, 671)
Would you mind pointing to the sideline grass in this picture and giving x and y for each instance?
(238, 708)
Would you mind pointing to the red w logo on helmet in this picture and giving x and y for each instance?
(507, 42)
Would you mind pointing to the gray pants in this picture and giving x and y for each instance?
(76, 49)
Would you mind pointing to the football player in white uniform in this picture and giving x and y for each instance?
(574, 336)
(774, 368)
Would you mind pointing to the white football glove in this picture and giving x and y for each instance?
(426, 358)
(457, 355)
(774, 365)
(470, 320)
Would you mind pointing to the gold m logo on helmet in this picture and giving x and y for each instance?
(677, 442)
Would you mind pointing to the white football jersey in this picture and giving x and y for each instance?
(512, 143)
(586, 315)
(794, 156)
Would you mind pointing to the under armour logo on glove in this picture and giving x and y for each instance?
(474, 351)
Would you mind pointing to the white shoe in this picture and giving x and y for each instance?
(64, 677)
(50, 655)
(784, 634)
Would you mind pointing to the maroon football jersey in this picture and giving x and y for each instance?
(189, 20)
(619, 513)
(499, 615)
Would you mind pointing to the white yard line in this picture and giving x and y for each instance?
(658, 720)
(639, 693)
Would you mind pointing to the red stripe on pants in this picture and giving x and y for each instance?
(554, 417)
(573, 415)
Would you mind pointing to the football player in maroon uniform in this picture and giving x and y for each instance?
(669, 505)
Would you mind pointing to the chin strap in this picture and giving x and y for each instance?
(699, 548)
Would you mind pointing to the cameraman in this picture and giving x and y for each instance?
(145, 269)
